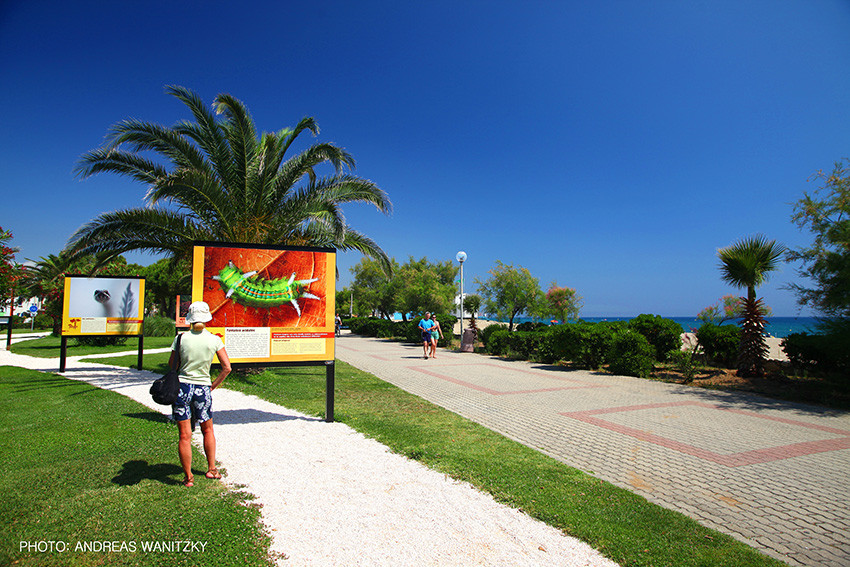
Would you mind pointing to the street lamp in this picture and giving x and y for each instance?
(461, 257)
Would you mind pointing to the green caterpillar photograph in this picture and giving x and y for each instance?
(251, 291)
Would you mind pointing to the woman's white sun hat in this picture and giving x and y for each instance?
(199, 312)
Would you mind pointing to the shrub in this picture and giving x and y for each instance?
(487, 332)
(43, 321)
(101, 341)
(595, 343)
(823, 353)
(685, 362)
(720, 343)
(157, 326)
(631, 354)
(531, 326)
(663, 334)
(497, 342)
(523, 344)
(367, 326)
(561, 342)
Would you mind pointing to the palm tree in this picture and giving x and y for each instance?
(746, 264)
(225, 183)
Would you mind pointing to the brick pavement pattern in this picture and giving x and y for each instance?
(772, 474)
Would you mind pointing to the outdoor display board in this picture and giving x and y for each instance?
(103, 305)
(270, 304)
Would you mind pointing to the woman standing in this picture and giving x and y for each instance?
(436, 332)
(194, 403)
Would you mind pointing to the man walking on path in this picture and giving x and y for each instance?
(425, 326)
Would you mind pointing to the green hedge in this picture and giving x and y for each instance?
(588, 345)
(822, 353)
(662, 334)
(404, 330)
(720, 343)
(631, 354)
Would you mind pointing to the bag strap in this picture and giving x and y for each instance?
(177, 350)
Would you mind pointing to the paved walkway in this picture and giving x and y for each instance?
(773, 474)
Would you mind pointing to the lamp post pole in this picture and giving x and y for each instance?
(461, 257)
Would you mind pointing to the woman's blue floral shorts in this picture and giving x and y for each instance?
(193, 402)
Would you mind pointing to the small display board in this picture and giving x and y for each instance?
(103, 305)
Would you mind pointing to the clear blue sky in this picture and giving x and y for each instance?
(611, 146)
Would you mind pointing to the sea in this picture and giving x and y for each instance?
(776, 326)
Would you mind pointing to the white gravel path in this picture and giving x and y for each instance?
(332, 497)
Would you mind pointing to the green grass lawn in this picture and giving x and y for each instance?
(82, 466)
(49, 347)
(624, 526)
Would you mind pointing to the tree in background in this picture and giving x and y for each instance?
(561, 303)
(729, 307)
(509, 292)
(10, 271)
(471, 305)
(826, 214)
(426, 286)
(374, 290)
(746, 264)
(343, 301)
(225, 183)
(165, 279)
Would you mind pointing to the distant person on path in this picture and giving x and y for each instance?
(425, 326)
(194, 403)
(436, 331)
(338, 324)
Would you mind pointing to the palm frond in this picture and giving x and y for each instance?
(747, 263)
(150, 230)
(120, 162)
(210, 137)
(145, 136)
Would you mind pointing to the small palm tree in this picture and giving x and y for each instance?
(471, 304)
(746, 264)
(224, 182)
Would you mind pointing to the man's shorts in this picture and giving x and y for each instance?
(426, 336)
(193, 402)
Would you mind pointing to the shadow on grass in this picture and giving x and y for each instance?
(156, 417)
(45, 383)
(133, 472)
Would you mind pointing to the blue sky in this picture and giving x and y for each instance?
(610, 146)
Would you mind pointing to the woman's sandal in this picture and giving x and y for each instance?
(189, 481)
(214, 474)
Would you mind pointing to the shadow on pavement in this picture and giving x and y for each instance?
(755, 402)
(249, 415)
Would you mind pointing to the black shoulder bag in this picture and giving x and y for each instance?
(165, 390)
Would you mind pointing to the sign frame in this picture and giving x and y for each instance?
(79, 304)
(220, 271)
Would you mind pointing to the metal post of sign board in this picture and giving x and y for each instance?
(329, 390)
(141, 350)
(62, 352)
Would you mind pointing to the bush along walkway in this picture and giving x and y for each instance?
(772, 474)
